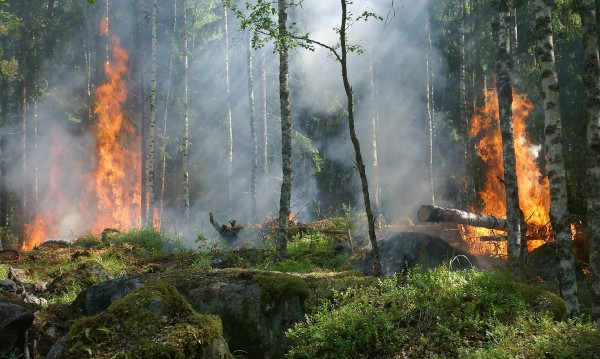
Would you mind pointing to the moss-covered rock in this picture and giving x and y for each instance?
(153, 321)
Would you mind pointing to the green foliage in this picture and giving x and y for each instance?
(425, 314)
(149, 240)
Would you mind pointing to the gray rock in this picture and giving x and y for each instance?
(8, 285)
(100, 296)
(405, 250)
(57, 348)
(15, 320)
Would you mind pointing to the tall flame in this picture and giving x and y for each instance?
(534, 192)
(116, 180)
(110, 196)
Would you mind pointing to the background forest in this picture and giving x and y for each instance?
(419, 81)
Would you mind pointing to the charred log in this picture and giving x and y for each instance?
(429, 213)
(228, 233)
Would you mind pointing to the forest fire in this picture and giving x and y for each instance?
(110, 195)
(534, 192)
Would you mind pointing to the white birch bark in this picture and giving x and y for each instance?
(559, 213)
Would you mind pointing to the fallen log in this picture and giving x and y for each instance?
(429, 213)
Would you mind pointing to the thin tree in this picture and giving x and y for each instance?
(429, 104)
(516, 230)
(559, 213)
(591, 82)
(374, 142)
(228, 119)
(253, 137)
(186, 114)
(152, 123)
(286, 130)
(265, 149)
(462, 105)
(165, 121)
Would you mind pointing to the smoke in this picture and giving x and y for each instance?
(61, 151)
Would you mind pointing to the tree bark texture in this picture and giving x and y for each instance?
(559, 213)
(142, 31)
(358, 156)
(429, 103)
(591, 82)
(152, 123)
(286, 132)
(516, 234)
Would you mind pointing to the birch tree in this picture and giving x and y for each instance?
(253, 138)
(516, 230)
(186, 111)
(559, 213)
(152, 122)
(228, 119)
(591, 82)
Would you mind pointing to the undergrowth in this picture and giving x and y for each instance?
(440, 313)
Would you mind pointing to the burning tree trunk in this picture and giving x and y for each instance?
(429, 213)
(591, 81)
(559, 213)
(516, 234)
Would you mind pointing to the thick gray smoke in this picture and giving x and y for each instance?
(395, 47)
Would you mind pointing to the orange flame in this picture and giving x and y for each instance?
(111, 195)
(116, 180)
(534, 192)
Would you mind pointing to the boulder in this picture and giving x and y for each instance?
(405, 250)
(153, 321)
(15, 320)
(100, 296)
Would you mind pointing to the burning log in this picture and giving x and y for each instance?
(429, 213)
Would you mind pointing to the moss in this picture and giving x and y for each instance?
(153, 321)
(278, 286)
(322, 286)
(541, 299)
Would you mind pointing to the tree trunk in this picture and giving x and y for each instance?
(358, 156)
(591, 82)
(265, 153)
(374, 141)
(143, 121)
(186, 131)
(254, 140)
(559, 213)
(152, 125)
(516, 234)
(165, 121)
(229, 121)
(286, 132)
(462, 99)
(430, 108)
